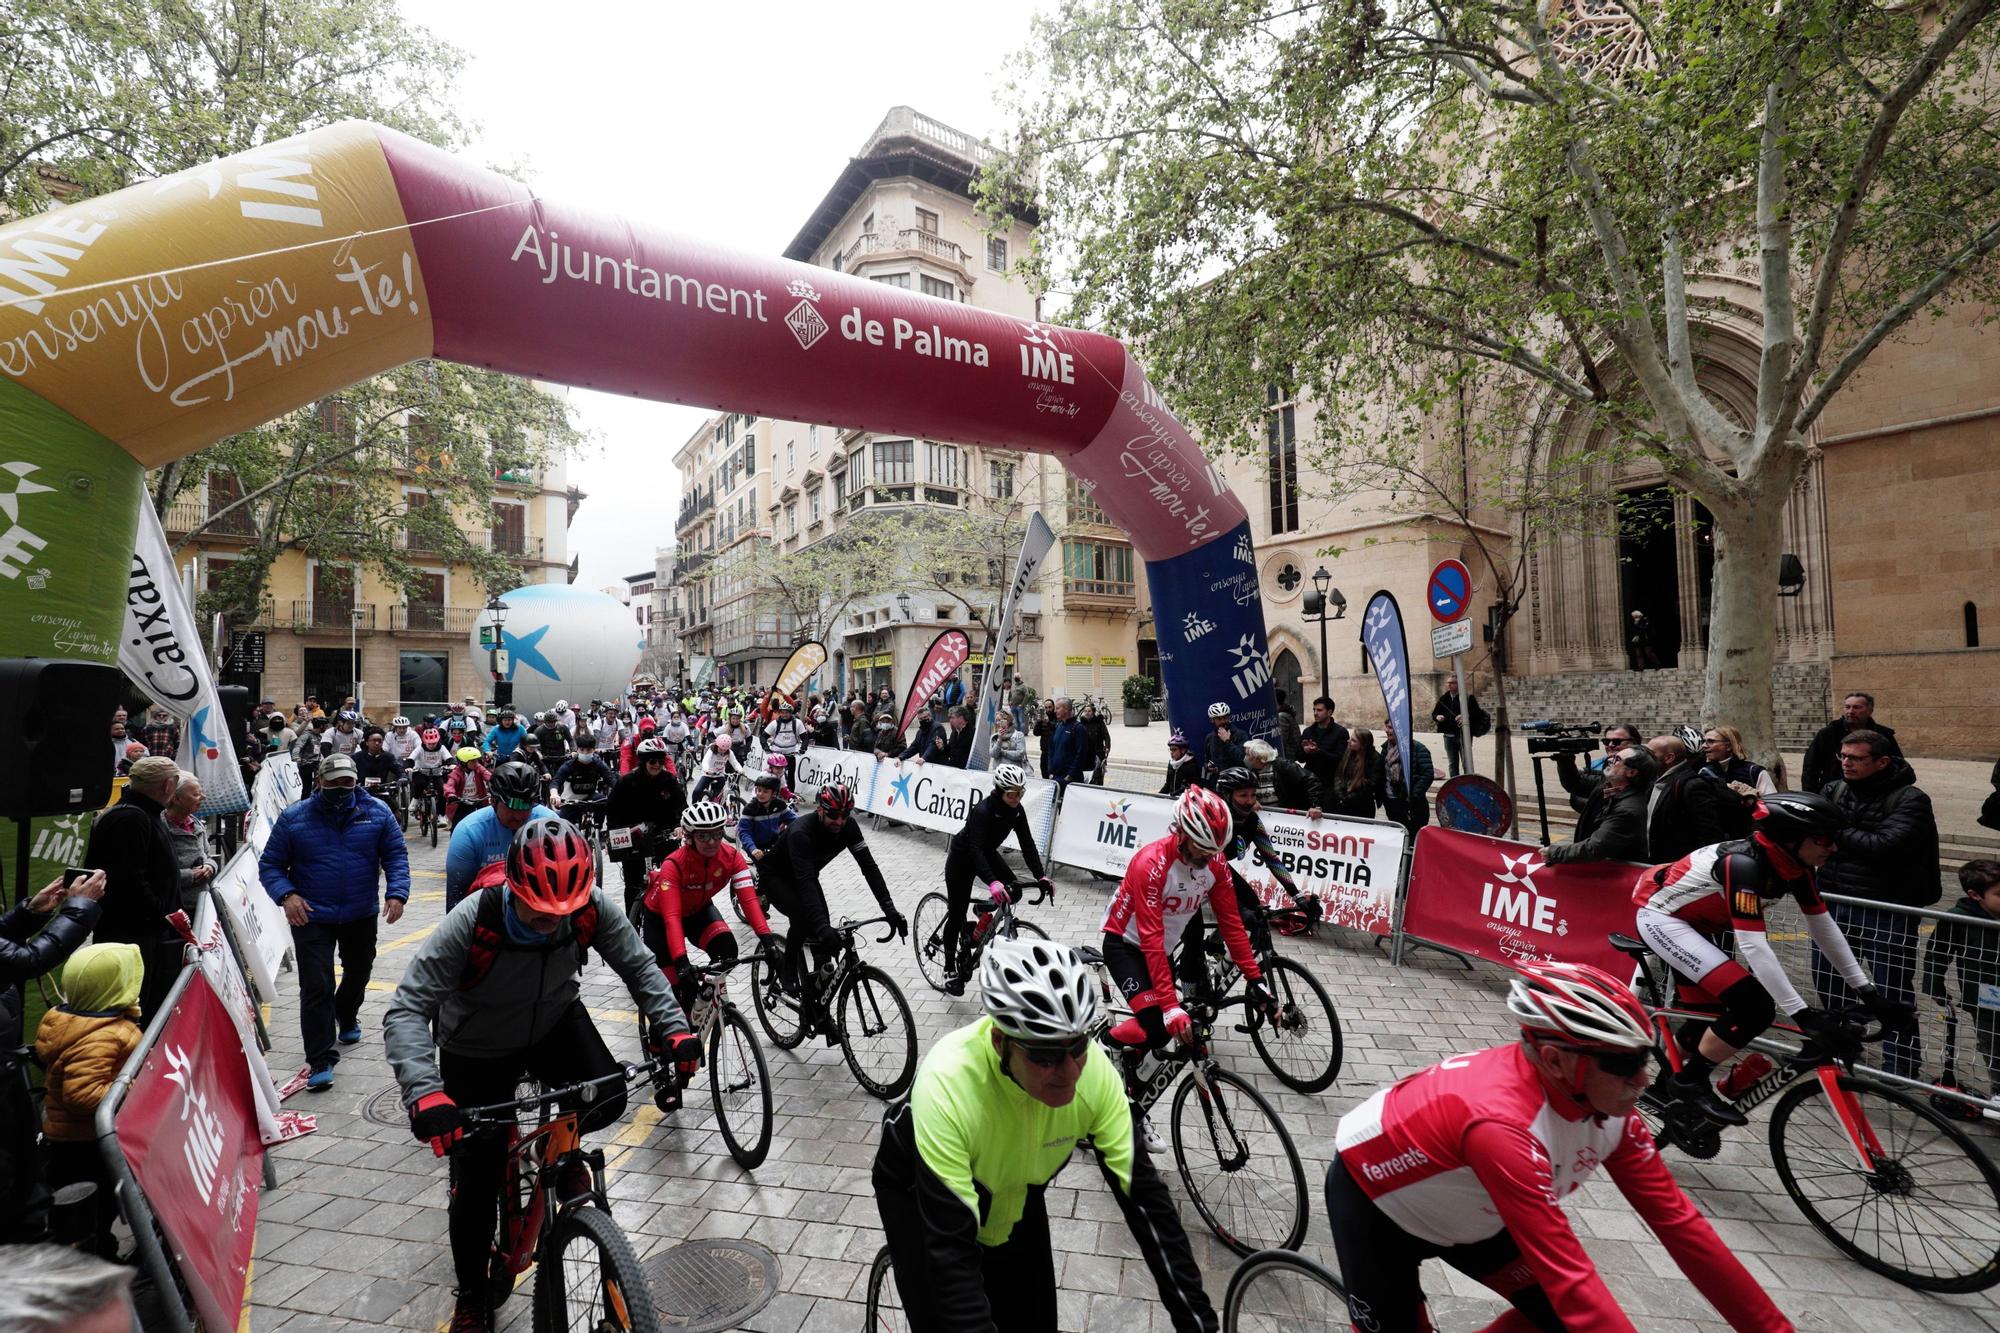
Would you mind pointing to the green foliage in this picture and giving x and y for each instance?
(1140, 691)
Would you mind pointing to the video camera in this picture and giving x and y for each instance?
(1559, 738)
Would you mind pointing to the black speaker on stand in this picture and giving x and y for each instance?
(55, 743)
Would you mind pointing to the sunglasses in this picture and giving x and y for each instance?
(1052, 1056)
(705, 835)
(1623, 1064)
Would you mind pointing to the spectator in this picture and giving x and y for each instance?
(1683, 809)
(119, 740)
(1018, 700)
(1183, 769)
(1358, 778)
(1975, 942)
(1222, 747)
(1586, 788)
(1822, 761)
(322, 862)
(1738, 781)
(1009, 746)
(134, 752)
(1639, 650)
(1404, 801)
(1613, 828)
(278, 735)
(81, 1045)
(162, 735)
(861, 733)
(129, 844)
(54, 1289)
(1099, 733)
(1888, 853)
(1066, 751)
(953, 693)
(950, 744)
(1323, 742)
(1281, 784)
(193, 856)
(1288, 727)
(1446, 713)
(35, 938)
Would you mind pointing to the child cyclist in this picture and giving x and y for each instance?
(465, 786)
(765, 817)
(718, 761)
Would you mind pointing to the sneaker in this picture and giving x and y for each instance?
(351, 1034)
(1703, 1099)
(1150, 1136)
(320, 1080)
(470, 1316)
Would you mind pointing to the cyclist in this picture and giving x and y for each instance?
(482, 837)
(506, 733)
(1467, 1162)
(1238, 786)
(975, 854)
(674, 731)
(529, 752)
(765, 818)
(465, 786)
(497, 980)
(401, 741)
(604, 722)
(785, 734)
(679, 898)
(378, 772)
(345, 738)
(1158, 906)
(427, 766)
(1684, 908)
(555, 738)
(583, 780)
(996, 1111)
(779, 767)
(718, 761)
(789, 877)
(649, 802)
(457, 726)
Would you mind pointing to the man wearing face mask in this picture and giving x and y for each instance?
(324, 858)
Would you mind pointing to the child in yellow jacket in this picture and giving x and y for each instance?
(81, 1045)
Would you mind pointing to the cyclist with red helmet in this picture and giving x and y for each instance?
(680, 897)
(497, 982)
(789, 876)
(1467, 1162)
(429, 765)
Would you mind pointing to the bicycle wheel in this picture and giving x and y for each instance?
(588, 1279)
(1928, 1216)
(927, 938)
(431, 820)
(740, 1085)
(1028, 930)
(877, 1033)
(1276, 1291)
(777, 1008)
(1239, 1164)
(1304, 1048)
(885, 1303)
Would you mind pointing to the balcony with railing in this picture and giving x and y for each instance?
(328, 614)
(191, 511)
(517, 545)
(904, 122)
(1098, 591)
(432, 618)
(900, 244)
(693, 507)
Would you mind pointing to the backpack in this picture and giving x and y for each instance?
(489, 933)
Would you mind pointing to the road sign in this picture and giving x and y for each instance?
(1473, 804)
(1450, 591)
(1451, 640)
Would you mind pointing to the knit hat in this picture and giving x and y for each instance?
(103, 978)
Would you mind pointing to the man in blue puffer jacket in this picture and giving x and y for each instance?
(322, 863)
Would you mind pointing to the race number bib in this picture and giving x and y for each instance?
(621, 839)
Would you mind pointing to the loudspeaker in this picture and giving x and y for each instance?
(55, 739)
(236, 712)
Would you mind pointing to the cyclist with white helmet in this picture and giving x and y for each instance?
(400, 741)
(785, 734)
(975, 854)
(718, 761)
(1223, 746)
(997, 1109)
(1467, 1161)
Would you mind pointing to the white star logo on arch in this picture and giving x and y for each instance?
(10, 503)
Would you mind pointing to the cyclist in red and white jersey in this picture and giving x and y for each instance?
(1686, 909)
(679, 898)
(1467, 1162)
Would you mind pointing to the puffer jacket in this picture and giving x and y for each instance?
(80, 1053)
(335, 859)
(1889, 849)
(191, 852)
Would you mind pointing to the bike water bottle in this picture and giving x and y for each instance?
(1745, 1075)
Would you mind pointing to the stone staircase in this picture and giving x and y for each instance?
(1658, 701)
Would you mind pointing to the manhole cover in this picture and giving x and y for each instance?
(705, 1286)
(386, 1108)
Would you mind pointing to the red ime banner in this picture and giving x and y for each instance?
(1500, 901)
(948, 653)
(189, 1130)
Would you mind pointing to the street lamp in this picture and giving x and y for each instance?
(503, 690)
(903, 604)
(1316, 603)
(354, 655)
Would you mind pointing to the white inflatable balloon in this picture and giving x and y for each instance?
(564, 643)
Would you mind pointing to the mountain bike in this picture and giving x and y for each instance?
(860, 1009)
(1238, 1163)
(426, 807)
(739, 1082)
(927, 932)
(587, 1275)
(1894, 1185)
(1277, 1291)
(588, 816)
(1304, 1046)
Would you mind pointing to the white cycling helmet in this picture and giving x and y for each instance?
(1010, 777)
(1038, 991)
(1217, 711)
(399, 721)
(705, 817)
(1579, 1005)
(647, 748)
(562, 705)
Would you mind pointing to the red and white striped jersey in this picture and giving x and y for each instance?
(1155, 901)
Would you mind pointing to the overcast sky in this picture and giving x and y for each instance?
(726, 124)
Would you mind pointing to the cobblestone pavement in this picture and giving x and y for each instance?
(355, 1234)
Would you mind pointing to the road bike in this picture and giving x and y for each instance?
(1233, 1154)
(1303, 1047)
(1277, 1291)
(739, 1082)
(555, 1214)
(859, 1009)
(885, 1303)
(1894, 1185)
(927, 933)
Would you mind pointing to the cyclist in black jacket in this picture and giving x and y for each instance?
(789, 876)
(1238, 786)
(650, 795)
(975, 854)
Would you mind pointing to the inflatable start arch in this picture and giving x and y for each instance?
(138, 327)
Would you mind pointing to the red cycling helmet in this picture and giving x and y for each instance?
(549, 866)
(1203, 819)
(647, 724)
(1579, 1006)
(432, 739)
(836, 800)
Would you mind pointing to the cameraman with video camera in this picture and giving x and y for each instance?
(1585, 784)
(1612, 822)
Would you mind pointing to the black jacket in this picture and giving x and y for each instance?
(976, 845)
(949, 747)
(658, 803)
(129, 844)
(1618, 833)
(31, 945)
(1332, 742)
(1822, 763)
(1218, 754)
(1180, 776)
(1687, 815)
(1296, 787)
(1971, 936)
(1889, 849)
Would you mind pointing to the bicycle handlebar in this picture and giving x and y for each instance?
(503, 1113)
(849, 927)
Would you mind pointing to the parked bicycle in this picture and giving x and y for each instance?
(1304, 1046)
(739, 1081)
(587, 1275)
(927, 932)
(861, 1010)
(1891, 1183)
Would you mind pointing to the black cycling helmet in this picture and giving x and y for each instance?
(516, 784)
(1235, 780)
(1788, 818)
(835, 800)
(768, 780)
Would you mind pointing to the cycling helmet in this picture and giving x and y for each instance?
(347, 715)
(649, 748)
(1579, 1005)
(705, 817)
(722, 745)
(1788, 818)
(1690, 737)
(549, 866)
(399, 721)
(787, 706)
(1235, 780)
(835, 800)
(431, 738)
(467, 755)
(1217, 711)
(540, 718)
(516, 785)
(1177, 737)
(777, 763)
(1202, 818)
(1010, 777)
(1038, 991)
(768, 780)
(562, 705)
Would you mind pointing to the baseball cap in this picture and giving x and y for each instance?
(336, 766)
